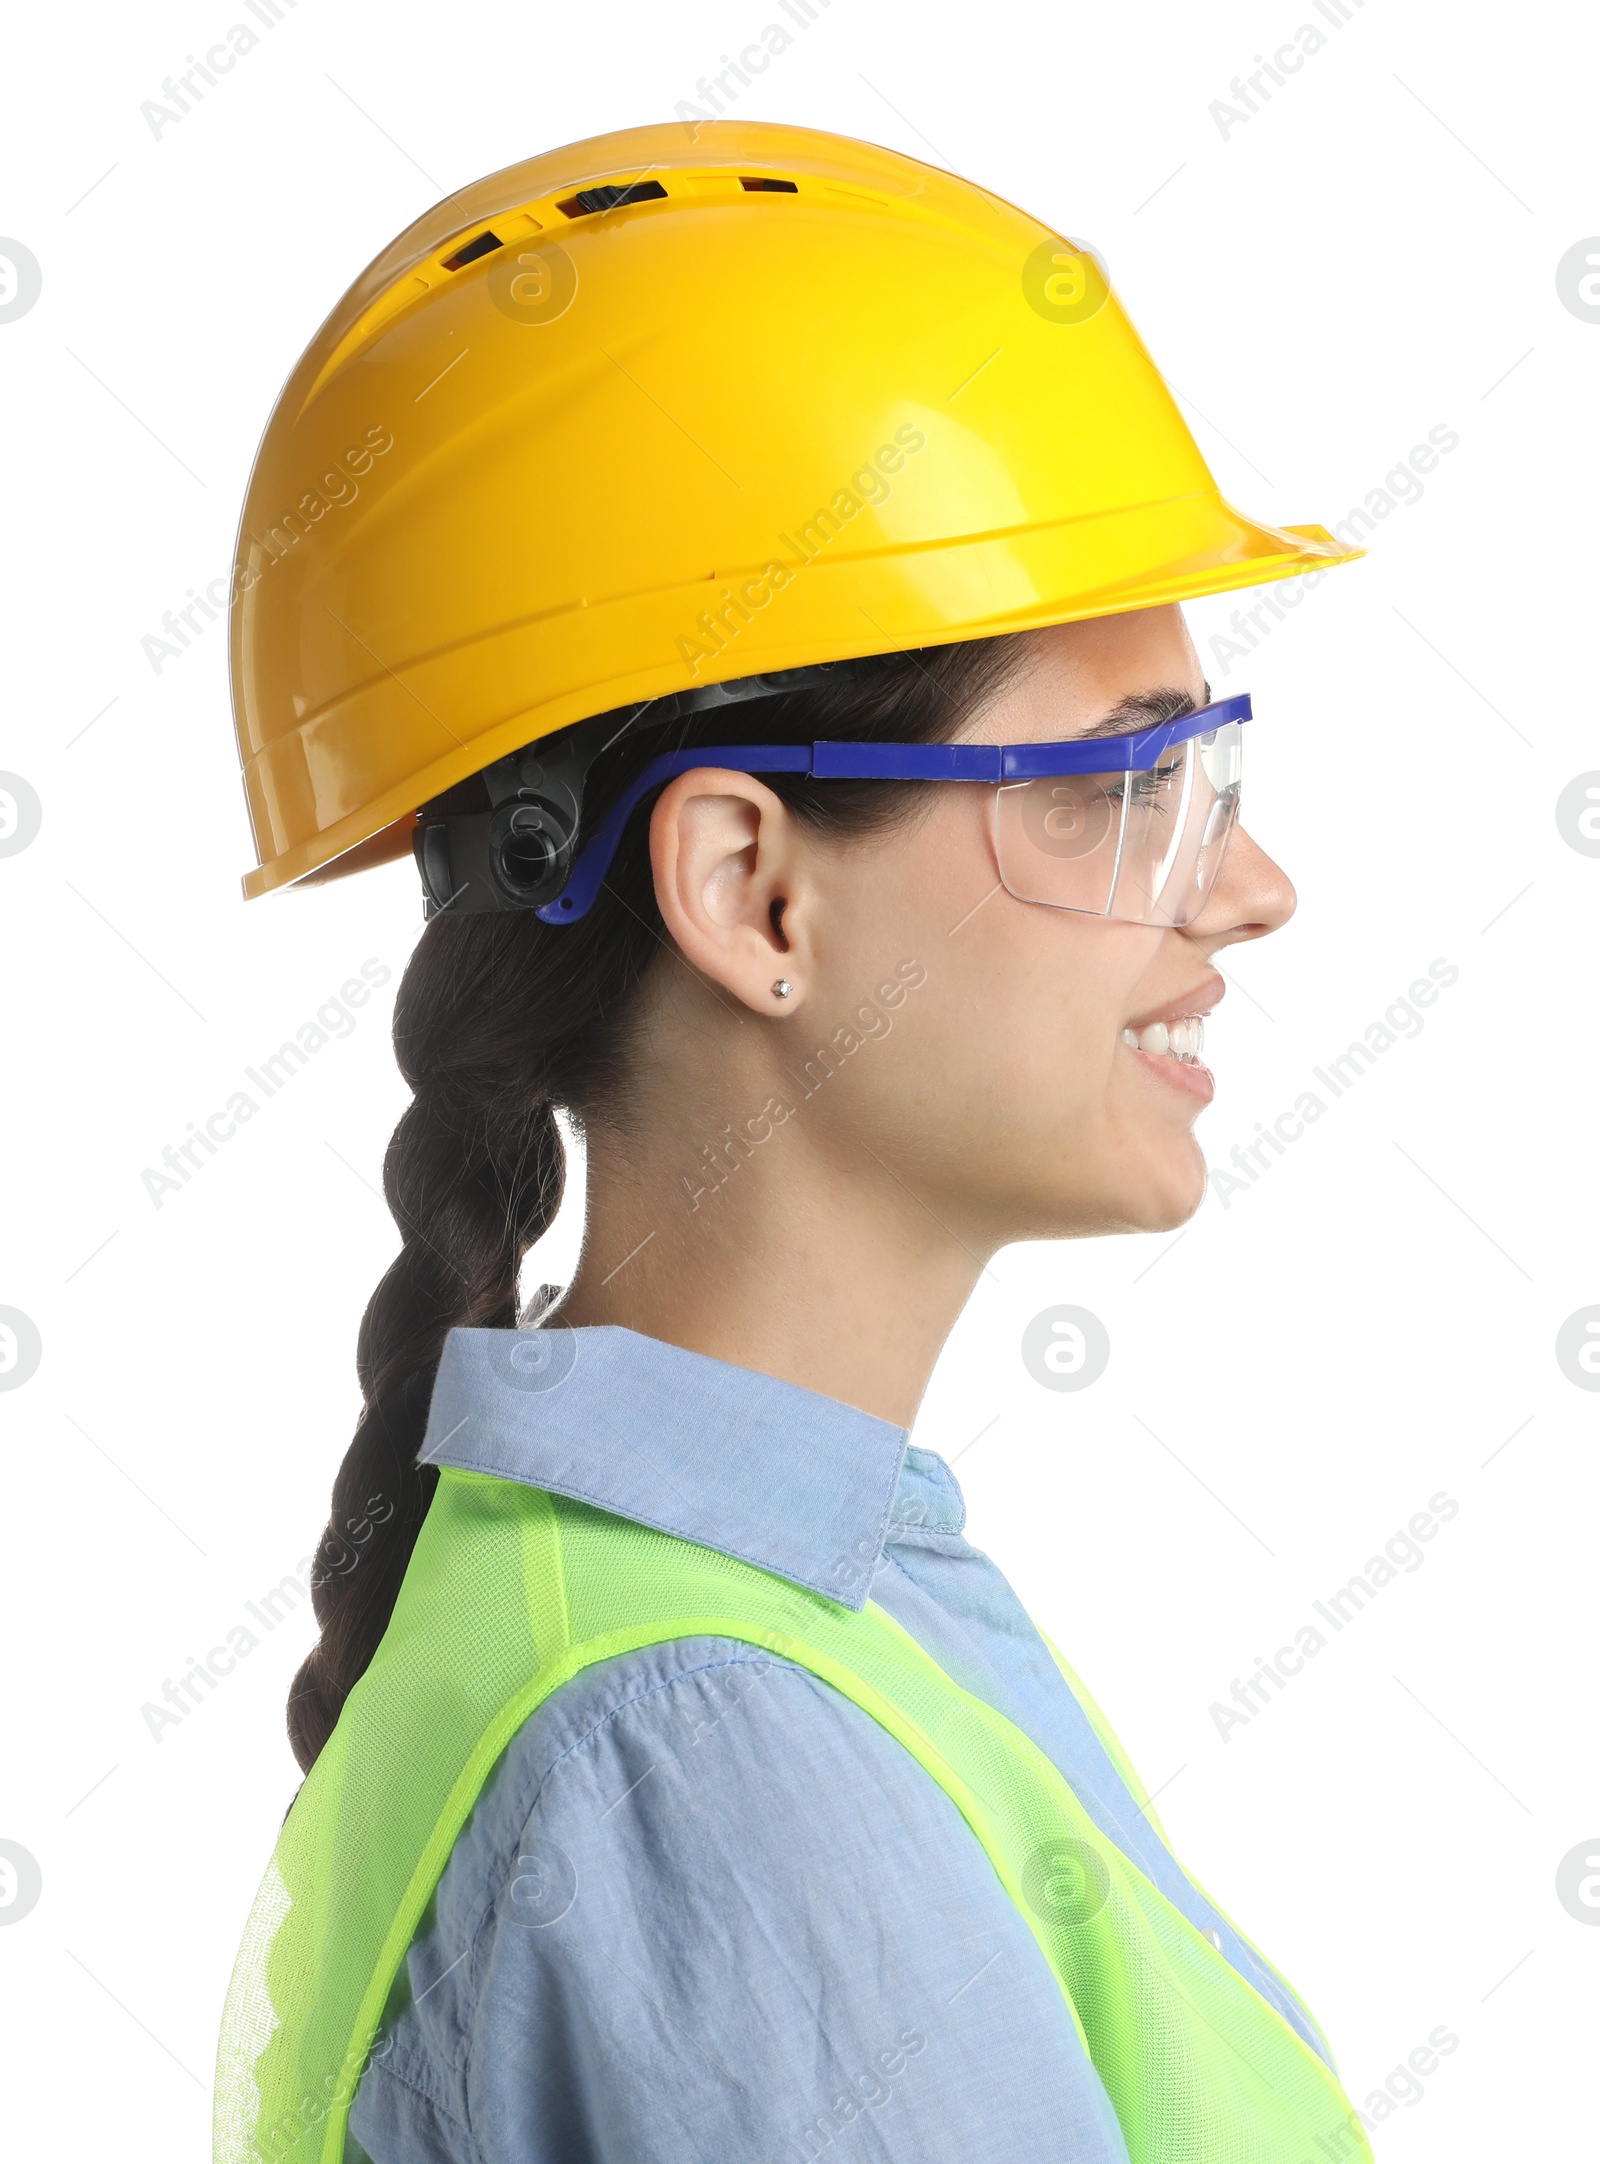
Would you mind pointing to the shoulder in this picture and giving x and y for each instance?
(683, 1859)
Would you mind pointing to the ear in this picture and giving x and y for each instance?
(733, 885)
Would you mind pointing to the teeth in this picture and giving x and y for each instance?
(1184, 1039)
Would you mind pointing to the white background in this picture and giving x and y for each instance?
(1372, 254)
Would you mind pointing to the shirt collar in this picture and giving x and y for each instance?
(762, 1470)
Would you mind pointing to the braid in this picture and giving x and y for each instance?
(471, 1188)
(498, 1020)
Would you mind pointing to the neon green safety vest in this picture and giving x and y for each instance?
(511, 1592)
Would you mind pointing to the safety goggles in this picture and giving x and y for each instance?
(1131, 828)
(1128, 827)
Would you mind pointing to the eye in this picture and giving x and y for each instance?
(1149, 786)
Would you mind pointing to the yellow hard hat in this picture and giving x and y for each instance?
(671, 407)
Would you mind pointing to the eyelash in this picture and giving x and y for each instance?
(1149, 787)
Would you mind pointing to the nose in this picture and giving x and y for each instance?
(1252, 896)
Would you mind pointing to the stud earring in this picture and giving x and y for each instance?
(782, 988)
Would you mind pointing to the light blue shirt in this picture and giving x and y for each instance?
(706, 1910)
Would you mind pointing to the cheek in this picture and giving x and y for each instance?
(1023, 1002)
(1056, 987)
(1020, 1019)
(1098, 967)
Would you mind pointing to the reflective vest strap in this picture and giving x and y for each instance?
(436, 1851)
(1136, 1789)
(1107, 1738)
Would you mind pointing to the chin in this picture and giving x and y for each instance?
(1175, 1189)
(1109, 1182)
(1158, 1196)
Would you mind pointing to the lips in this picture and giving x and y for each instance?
(1193, 1004)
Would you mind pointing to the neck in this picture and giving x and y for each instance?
(808, 1259)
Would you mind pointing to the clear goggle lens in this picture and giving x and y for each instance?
(1143, 848)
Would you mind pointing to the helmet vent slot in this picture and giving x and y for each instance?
(485, 244)
(769, 187)
(588, 200)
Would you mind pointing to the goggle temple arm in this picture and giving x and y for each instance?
(594, 859)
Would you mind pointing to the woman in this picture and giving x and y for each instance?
(681, 1784)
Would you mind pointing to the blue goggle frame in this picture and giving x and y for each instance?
(995, 764)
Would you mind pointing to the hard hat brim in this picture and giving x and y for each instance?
(446, 715)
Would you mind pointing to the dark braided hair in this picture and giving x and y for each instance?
(498, 1020)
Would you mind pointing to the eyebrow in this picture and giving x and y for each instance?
(1145, 710)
